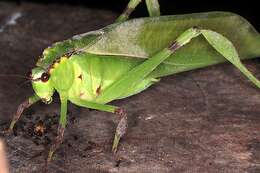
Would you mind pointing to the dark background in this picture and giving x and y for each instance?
(205, 120)
(247, 9)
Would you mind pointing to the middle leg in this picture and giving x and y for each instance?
(122, 125)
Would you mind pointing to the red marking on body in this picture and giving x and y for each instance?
(98, 90)
(81, 94)
(80, 76)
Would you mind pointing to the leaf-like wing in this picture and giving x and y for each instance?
(141, 38)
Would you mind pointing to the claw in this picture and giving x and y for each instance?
(121, 128)
(48, 161)
(49, 156)
(25, 104)
(11, 127)
(56, 144)
(115, 143)
(7, 132)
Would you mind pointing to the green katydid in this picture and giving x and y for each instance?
(125, 58)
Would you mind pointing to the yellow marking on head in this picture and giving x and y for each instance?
(39, 60)
(63, 59)
(55, 64)
(51, 70)
(46, 51)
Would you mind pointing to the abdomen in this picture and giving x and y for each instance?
(94, 73)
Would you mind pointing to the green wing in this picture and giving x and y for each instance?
(141, 38)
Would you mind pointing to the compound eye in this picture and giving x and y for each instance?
(29, 74)
(45, 77)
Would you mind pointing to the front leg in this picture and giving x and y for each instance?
(61, 128)
(25, 104)
(122, 125)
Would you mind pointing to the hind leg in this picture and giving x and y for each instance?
(152, 6)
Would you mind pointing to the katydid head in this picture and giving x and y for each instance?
(41, 84)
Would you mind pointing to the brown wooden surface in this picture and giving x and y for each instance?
(205, 121)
